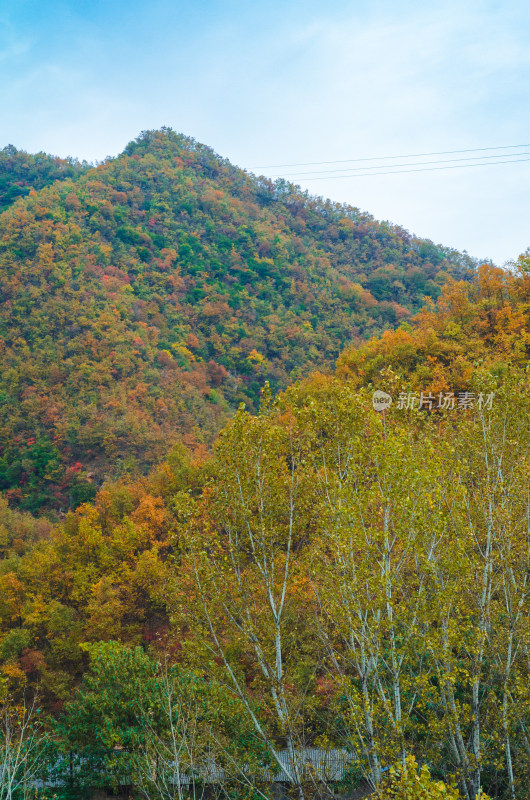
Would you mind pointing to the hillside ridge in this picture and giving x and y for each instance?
(147, 297)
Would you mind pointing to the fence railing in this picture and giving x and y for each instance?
(327, 766)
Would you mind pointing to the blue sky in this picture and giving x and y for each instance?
(288, 82)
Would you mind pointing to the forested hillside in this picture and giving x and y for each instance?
(329, 577)
(144, 299)
(20, 172)
(482, 323)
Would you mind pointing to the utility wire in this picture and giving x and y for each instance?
(401, 171)
(389, 158)
(326, 172)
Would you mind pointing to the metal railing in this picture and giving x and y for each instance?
(326, 766)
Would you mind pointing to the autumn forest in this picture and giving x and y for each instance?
(224, 569)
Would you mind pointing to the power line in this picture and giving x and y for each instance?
(389, 158)
(402, 171)
(326, 172)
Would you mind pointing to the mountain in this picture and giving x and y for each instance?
(145, 298)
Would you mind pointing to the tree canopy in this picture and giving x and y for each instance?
(333, 576)
(145, 298)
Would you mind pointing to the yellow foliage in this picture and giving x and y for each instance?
(258, 358)
(410, 782)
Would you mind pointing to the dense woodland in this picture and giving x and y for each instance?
(20, 172)
(146, 298)
(326, 576)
